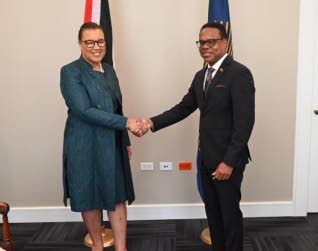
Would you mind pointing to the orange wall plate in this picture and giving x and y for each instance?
(185, 166)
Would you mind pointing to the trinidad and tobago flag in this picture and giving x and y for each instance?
(97, 11)
(218, 12)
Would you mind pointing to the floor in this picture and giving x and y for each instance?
(261, 234)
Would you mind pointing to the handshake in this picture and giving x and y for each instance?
(139, 126)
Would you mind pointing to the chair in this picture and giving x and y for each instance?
(7, 243)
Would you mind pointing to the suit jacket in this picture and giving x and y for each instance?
(227, 114)
(89, 162)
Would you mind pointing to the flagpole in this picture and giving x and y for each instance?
(107, 236)
(206, 236)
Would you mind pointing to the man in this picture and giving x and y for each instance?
(225, 94)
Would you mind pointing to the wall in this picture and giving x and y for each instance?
(156, 59)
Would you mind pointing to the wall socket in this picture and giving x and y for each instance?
(185, 166)
(146, 166)
(165, 166)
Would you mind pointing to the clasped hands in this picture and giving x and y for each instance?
(139, 126)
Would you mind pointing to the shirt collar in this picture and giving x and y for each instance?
(217, 65)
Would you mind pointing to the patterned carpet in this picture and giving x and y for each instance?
(261, 234)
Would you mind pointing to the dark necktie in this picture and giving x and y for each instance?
(208, 80)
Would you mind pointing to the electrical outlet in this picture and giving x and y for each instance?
(185, 166)
(165, 166)
(146, 166)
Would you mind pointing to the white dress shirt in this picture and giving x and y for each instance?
(216, 67)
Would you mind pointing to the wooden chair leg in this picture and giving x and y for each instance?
(7, 243)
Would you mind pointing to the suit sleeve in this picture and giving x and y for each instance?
(243, 107)
(177, 113)
(77, 100)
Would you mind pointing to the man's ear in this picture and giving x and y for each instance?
(225, 43)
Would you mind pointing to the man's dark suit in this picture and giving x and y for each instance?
(227, 114)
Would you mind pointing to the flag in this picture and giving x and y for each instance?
(219, 12)
(98, 11)
(199, 173)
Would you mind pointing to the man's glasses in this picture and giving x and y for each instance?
(91, 43)
(210, 43)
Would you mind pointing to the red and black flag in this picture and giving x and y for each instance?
(98, 11)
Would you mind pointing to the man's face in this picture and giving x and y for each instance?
(96, 53)
(212, 47)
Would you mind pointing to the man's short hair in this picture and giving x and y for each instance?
(88, 26)
(216, 25)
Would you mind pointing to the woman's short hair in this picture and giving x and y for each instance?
(88, 26)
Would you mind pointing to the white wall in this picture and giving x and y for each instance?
(156, 59)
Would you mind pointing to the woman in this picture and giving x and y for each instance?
(96, 152)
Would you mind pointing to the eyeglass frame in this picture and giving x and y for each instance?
(95, 42)
(201, 43)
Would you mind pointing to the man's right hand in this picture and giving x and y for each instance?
(139, 127)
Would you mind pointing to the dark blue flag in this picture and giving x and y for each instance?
(200, 173)
(219, 12)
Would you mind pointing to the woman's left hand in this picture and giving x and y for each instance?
(129, 151)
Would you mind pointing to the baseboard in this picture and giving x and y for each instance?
(150, 212)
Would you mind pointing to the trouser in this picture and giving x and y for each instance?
(222, 206)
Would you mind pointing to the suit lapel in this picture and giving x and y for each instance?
(112, 87)
(216, 79)
(86, 69)
(201, 76)
(221, 71)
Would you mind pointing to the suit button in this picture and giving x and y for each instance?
(99, 106)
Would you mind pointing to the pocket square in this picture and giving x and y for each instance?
(219, 86)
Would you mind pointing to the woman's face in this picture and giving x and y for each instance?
(93, 38)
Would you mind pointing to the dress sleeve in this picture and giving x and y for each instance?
(77, 100)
